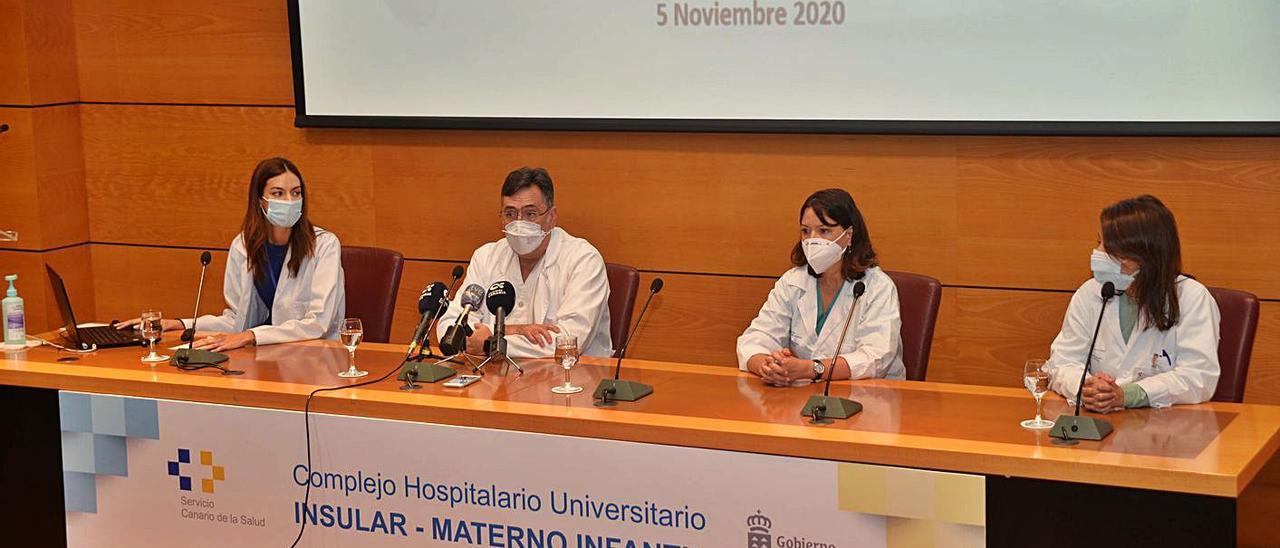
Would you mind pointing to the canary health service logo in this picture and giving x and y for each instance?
(215, 473)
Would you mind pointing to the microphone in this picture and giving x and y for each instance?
(444, 305)
(411, 369)
(429, 304)
(456, 275)
(821, 409)
(610, 391)
(454, 341)
(188, 356)
(188, 334)
(500, 300)
(1069, 428)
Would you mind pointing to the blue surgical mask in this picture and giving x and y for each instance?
(1107, 269)
(283, 214)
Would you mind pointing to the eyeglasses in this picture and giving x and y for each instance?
(530, 214)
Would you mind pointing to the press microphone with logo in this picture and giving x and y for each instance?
(1069, 428)
(821, 409)
(429, 305)
(432, 301)
(500, 300)
(189, 356)
(610, 391)
(454, 341)
(444, 305)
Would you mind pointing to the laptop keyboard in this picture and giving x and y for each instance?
(105, 336)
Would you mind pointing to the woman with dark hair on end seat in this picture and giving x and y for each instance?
(1157, 343)
(283, 280)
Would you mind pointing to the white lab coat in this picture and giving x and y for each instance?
(310, 305)
(1189, 373)
(568, 288)
(873, 348)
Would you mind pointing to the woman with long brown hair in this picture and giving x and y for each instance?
(1157, 344)
(795, 335)
(284, 279)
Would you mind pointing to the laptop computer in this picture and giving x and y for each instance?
(83, 338)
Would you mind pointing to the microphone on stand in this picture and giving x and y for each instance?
(610, 391)
(454, 341)
(429, 304)
(821, 409)
(411, 369)
(444, 305)
(189, 358)
(1070, 428)
(500, 300)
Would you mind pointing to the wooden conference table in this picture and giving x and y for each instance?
(1189, 463)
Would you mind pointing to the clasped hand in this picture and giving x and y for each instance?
(781, 368)
(1102, 394)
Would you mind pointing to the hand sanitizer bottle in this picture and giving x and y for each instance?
(15, 320)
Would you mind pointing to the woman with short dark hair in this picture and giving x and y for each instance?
(1157, 344)
(795, 335)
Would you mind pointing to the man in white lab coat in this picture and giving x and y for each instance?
(560, 281)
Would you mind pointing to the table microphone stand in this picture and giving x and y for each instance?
(822, 408)
(497, 347)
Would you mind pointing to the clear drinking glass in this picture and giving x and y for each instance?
(352, 331)
(567, 357)
(151, 325)
(1036, 379)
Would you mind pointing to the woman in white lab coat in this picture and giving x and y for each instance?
(283, 280)
(794, 337)
(1158, 341)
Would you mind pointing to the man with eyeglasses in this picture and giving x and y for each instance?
(560, 281)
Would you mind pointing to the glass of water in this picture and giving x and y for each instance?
(1036, 379)
(567, 357)
(350, 335)
(151, 324)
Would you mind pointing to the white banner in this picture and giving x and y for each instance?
(234, 476)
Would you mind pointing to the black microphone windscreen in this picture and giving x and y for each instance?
(858, 289)
(432, 296)
(656, 286)
(472, 296)
(1108, 290)
(502, 296)
(205, 258)
(457, 271)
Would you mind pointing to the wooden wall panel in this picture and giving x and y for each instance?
(59, 160)
(73, 264)
(684, 203)
(997, 331)
(128, 279)
(19, 194)
(179, 51)
(51, 51)
(1034, 202)
(185, 172)
(15, 87)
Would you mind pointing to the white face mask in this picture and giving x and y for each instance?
(1107, 269)
(524, 236)
(283, 214)
(821, 252)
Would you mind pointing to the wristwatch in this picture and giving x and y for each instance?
(818, 369)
